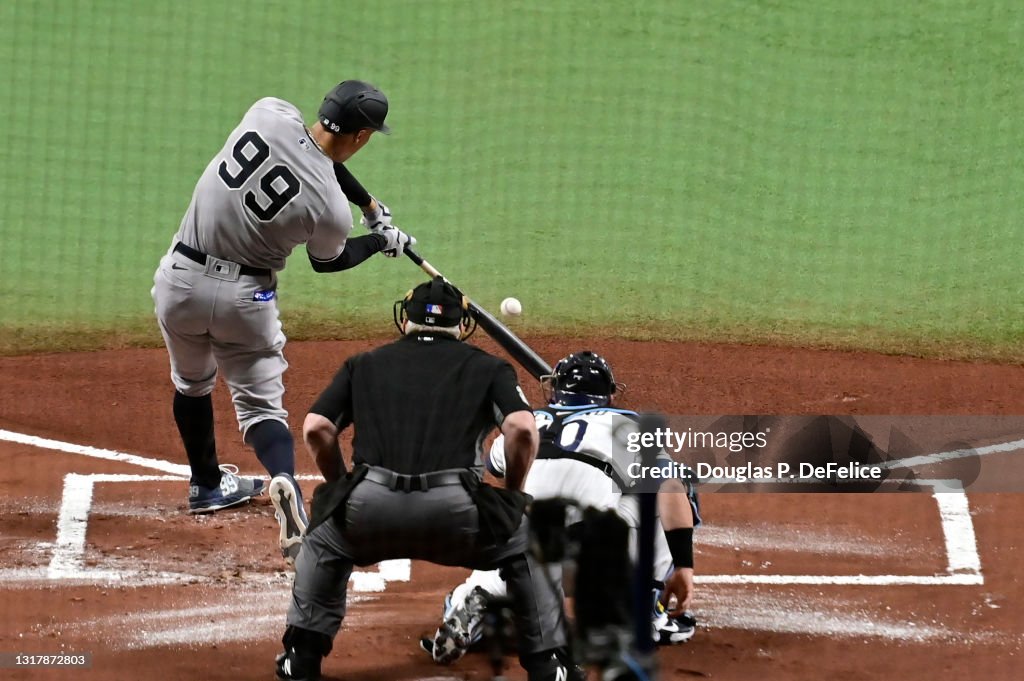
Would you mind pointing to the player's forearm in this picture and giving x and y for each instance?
(357, 251)
(677, 520)
(520, 450)
(674, 506)
(354, 191)
(329, 461)
(321, 438)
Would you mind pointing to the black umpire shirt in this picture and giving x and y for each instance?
(423, 403)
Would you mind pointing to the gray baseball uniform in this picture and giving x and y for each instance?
(269, 189)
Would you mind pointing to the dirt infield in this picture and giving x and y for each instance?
(99, 556)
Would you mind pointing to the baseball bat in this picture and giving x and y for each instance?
(513, 344)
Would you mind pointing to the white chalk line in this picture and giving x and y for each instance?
(787, 539)
(28, 577)
(71, 526)
(68, 558)
(246, 614)
(958, 530)
(835, 617)
(939, 457)
(963, 562)
(940, 484)
(907, 462)
(178, 469)
(845, 580)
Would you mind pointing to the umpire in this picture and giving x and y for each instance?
(421, 408)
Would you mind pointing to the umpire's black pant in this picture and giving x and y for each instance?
(440, 526)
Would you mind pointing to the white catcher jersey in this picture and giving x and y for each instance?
(576, 458)
(586, 462)
(268, 190)
(582, 457)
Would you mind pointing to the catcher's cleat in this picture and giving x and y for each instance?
(290, 513)
(667, 630)
(462, 627)
(232, 491)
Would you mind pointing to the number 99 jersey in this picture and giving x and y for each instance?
(269, 189)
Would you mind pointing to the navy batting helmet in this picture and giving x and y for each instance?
(352, 105)
(582, 378)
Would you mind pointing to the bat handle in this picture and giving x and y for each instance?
(424, 265)
(414, 256)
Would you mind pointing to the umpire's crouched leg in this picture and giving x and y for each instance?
(540, 620)
(322, 571)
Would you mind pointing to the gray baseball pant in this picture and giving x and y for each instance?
(440, 526)
(210, 320)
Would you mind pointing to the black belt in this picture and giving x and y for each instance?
(414, 483)
(200, 257)
(554, 452)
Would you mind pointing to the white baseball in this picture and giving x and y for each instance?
(511, 307)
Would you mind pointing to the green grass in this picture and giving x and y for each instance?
(831, 173)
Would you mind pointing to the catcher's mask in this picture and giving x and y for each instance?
(435, 303)
(583, 378)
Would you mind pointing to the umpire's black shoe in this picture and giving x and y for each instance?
(294, 667)
(552, 665)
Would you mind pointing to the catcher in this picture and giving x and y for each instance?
(575, 462)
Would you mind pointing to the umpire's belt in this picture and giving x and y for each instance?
(413, 483)
(201, 258)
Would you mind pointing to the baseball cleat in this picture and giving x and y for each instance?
(667, 630)
(290, 513)
(462, 627)
(449, 644)
(232, 491)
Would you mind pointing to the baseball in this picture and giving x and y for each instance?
(511, 307)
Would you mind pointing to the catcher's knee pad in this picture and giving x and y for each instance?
(552, 665)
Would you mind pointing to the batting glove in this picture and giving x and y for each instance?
(398, 241)
(376, 220)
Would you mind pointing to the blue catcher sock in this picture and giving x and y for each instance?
(274, 446)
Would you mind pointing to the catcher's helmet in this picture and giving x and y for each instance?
(353, 105)
(435, 303)
(580, 379)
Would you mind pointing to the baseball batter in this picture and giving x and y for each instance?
(273, 186)
(576, 463)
